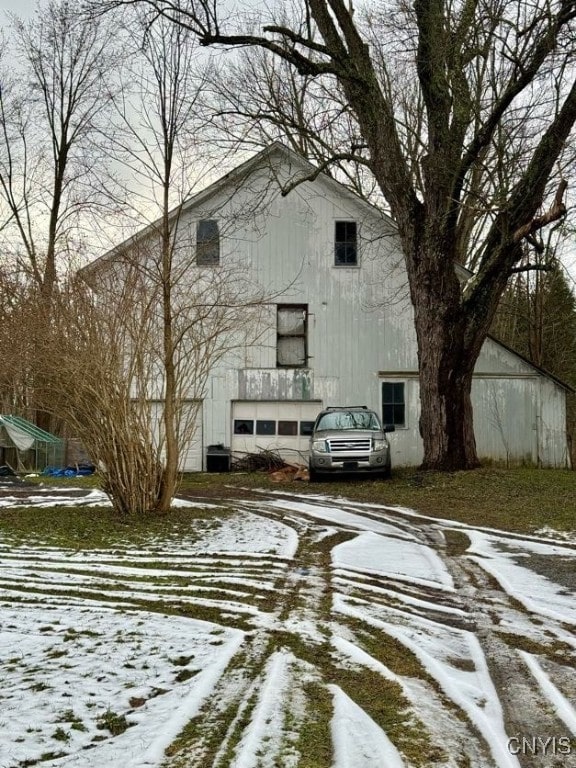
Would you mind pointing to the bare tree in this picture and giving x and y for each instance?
(19, 324)
(102, 362)
(454, 94)
(172, 319)
(155, 142)
(51, 107)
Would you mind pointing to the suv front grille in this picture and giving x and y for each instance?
(350, 445)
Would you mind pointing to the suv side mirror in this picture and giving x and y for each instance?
(389, 428)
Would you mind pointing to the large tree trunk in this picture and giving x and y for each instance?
(446, 421)
(447, 347)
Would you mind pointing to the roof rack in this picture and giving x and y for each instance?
(347, 408)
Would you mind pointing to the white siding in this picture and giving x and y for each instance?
(191, 457)
(360, 321)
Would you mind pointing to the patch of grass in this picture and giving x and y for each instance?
(221, 720)
(457, 542)
(466, 665)
(89, 528)
(185, 674)
(56, 654)
(113, 722)
(520, 499)
(69, 716)
(556, 649)
(38, 687)
(61, 735)
(315, 740)
(389, 651)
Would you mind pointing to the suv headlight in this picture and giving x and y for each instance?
(379, 444)
(320, 446)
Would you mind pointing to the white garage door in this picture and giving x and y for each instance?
(279, 426)
(191, 458)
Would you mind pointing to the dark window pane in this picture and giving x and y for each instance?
(207, 243)
(243, 427)
(287, 427)
(340, 231)
(398, 415)
(345, 243)
(387, 392)
(345, 253)
(265, 427)
(388, 414)
(306, 427)
(393, 405)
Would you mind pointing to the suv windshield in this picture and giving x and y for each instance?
(348, 420)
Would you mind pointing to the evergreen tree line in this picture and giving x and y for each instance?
(537, 318)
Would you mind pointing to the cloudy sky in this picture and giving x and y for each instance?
(21, 7)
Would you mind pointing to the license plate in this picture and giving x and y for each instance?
(350, 465)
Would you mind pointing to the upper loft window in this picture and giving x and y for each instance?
(346, 244)
(207, 243)
(291, 324)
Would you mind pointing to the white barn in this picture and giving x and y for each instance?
(339, 330)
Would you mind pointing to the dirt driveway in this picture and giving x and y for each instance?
(325, 632)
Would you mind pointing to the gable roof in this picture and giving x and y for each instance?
(263, 159)
(537, 368)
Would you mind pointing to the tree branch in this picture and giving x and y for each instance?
(321, 168)
(556, 211)
(523, 76)
(531, 268)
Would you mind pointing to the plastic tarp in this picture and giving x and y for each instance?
(21, 439)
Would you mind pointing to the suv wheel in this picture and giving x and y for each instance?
(313, 475)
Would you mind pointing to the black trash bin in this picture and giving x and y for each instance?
(218, 458)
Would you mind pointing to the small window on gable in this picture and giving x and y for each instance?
(291, 324)
(393, 403)
(346, 244)
(207, 243)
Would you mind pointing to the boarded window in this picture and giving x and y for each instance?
(346, 244)
(393, 403)
(291, 350)
(207, 243)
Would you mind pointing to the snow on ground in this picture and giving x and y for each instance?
(268, 714)
(455, 660)
(103, 661)
(61, 693)
(372, 553)
(539, 594)
(357, 739)
(336, 515)
(563, 707)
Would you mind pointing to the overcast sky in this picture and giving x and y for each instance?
(21, 7)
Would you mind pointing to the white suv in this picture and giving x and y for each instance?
(349, 439)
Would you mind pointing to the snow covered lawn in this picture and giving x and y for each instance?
(287, 631)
